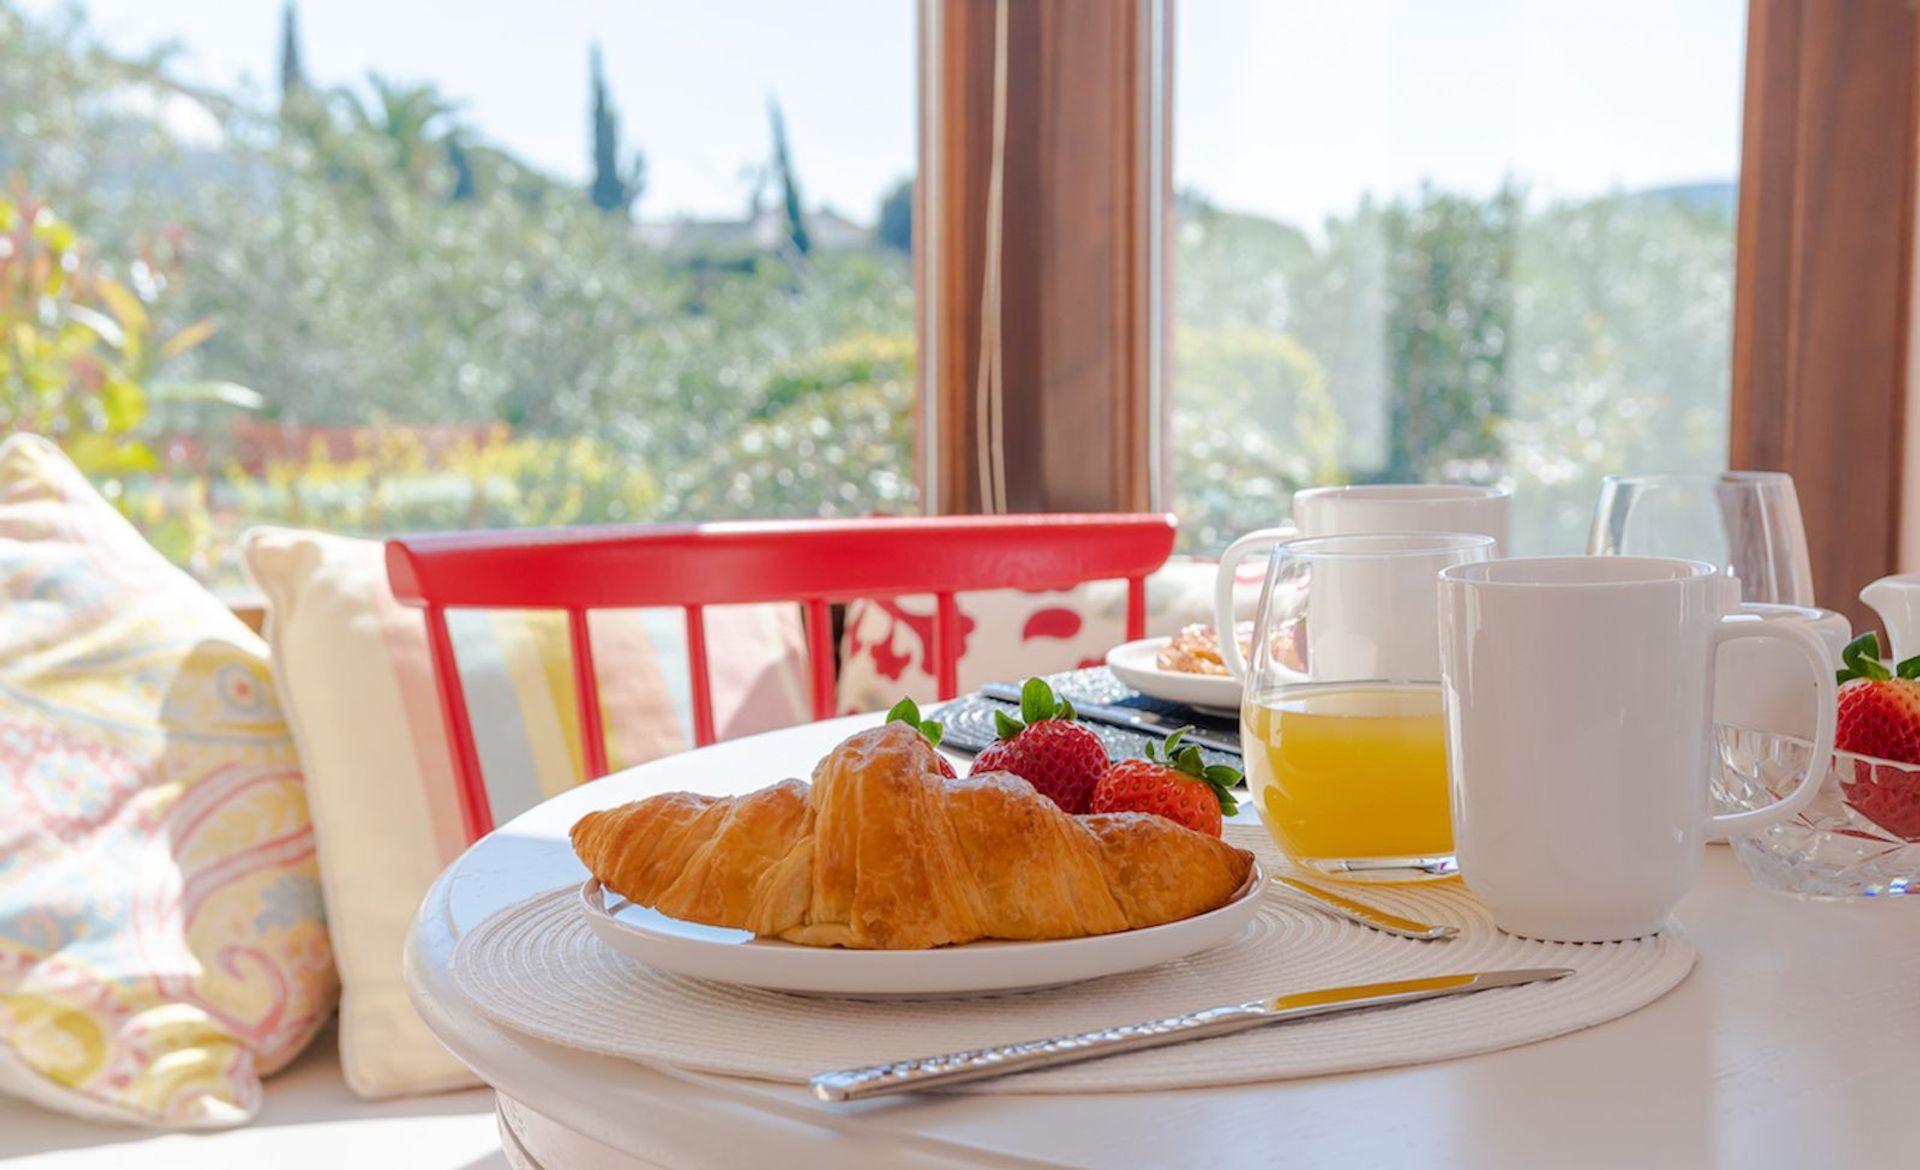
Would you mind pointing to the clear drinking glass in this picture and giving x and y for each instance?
(1340, 724)
(1745, 522)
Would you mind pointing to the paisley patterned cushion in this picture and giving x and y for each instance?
(162, 944)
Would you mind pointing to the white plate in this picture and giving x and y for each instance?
(1133, 663)
(981, 968)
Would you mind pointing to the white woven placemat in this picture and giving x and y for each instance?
(536, 968)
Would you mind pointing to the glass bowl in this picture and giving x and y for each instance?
(1860, 838)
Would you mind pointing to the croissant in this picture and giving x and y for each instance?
(882, 852)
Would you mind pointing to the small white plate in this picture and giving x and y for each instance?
(981, 968)
(1134, 663)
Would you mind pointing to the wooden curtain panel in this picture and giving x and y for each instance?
(1824, 273)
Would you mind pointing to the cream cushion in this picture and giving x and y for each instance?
(353, 666)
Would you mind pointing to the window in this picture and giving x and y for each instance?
(1486, 241)
(380, 266)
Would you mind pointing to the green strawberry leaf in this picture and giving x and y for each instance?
(1065, 711)
(908, 712)
(1187, 760)
(1222, 775)
(1036, 700)
(1006, 725)
(1221, 778)
(1862, 659)
(1908, 669)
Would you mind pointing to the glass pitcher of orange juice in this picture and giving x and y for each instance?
(1340, 721)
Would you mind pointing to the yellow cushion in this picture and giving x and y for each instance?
(162, 944)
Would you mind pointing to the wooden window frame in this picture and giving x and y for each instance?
(1087, 199)
(1825, 256)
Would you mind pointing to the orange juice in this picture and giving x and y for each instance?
(1344, 771)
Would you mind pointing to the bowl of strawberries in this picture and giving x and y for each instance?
(1861, 835)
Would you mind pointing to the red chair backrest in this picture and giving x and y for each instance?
(813, 562)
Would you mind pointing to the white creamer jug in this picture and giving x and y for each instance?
(1897, 600)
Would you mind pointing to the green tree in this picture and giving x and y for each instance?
(826, 438)
(1448, 321)
(616, 184)
(797, 235)
(893, 227)
(465, 186)
(293, 77)
(1253, 422)
(1622, 353)
(1235, 268)
(417, 123)
(354, 296)
(1409, 305)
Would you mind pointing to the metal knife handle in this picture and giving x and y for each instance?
(981, 1063)
(902, 1076)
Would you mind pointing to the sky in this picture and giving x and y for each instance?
(690, 78)
(1292, 108)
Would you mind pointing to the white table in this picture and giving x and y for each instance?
(1792, 1044)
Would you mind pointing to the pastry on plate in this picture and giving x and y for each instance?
(882, 852)
(1196, 649)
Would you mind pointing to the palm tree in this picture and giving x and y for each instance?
(415, 118)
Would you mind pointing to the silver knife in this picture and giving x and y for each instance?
(1131, 718)
(877, 1080)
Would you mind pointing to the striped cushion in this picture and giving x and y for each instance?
(353, 665)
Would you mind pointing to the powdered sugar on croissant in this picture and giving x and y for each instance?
(883, 852)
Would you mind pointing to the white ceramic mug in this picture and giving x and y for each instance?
(1403, 507)
(1579, 702)
(1358, 510)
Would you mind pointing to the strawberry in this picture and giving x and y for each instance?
(1880, 717)
(1172, 782)
(908, 712)
(1059, 757)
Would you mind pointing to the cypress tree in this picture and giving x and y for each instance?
(614, 189)
(293, 77)
(464, 186)
(894, 228)
(789, 185)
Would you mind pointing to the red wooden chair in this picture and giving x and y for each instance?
(816, 563)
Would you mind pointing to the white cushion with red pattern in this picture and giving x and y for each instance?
(1009, 634)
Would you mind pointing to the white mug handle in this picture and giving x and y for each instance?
(1258, 540)
(1802, 794)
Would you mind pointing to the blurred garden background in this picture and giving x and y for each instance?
(344, 305)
